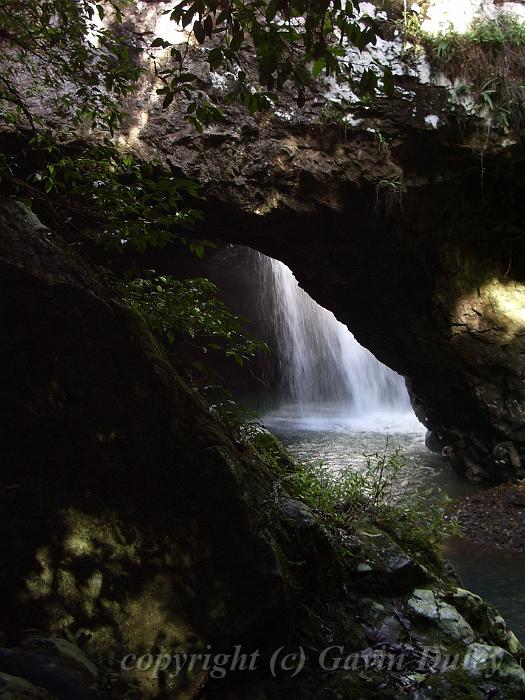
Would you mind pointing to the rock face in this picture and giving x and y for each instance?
(135, 524)
(403, 217)
(54, 664)
(129, 517)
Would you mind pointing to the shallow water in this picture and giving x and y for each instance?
(330, 434)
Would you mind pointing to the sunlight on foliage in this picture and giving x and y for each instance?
(486, 62)
(120, 202)
(294, 42)
(59, 51)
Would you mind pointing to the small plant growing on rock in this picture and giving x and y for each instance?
(389, 193)
(414, 518)
(489, 57)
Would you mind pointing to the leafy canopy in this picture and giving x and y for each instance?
(82, 57)
(293, 42)
(57, 52)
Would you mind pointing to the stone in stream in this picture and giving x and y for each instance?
(54, 664)
(425, 604)
(14, 688)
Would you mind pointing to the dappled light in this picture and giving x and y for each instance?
(496, 307)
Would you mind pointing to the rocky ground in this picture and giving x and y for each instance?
(495, 516)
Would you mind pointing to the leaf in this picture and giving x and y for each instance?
(388, 81)
(170, 96)
(318, 66)
(215, 57)
(199, 250)
(199, 32)
(158, 42)
(368, 83)
(271, 10)
(208, 26)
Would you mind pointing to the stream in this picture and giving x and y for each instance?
(335, 401)
(324, 434)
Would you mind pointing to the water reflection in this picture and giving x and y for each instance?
(341, 442)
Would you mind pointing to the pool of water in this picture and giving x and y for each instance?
(330, 434)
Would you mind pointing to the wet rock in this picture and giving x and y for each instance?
(298, 515)
(432, 441)
(390, 630)
(311, 536)
(486, 620)
(425, 604)
(385, 562)
(14, 688)
(54, 664)
(494, 662)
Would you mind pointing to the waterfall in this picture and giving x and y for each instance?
(325, 373)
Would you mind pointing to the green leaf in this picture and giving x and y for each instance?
(170, 96)
(318, 66)
(199, 32)
(271, 10)
(215, 57)
(199, 250)
(158, 42)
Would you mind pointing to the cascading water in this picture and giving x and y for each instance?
(326, 376)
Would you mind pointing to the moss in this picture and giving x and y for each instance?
(455, 685)
(363, 685)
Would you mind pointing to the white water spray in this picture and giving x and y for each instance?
(328, 379)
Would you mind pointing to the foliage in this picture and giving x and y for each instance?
(56, 50)
(120, 202)
(412, 517)
(80, 58)
(505, 29)
(74, 61)
(182, 309)
(294, 42)
(488, 61)
(389, 192)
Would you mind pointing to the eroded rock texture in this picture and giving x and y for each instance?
(412, 235)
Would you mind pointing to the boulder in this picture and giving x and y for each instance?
(54, 664)
(13, 688)
(122, 496)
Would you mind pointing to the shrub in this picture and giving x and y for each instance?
(415, 518)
